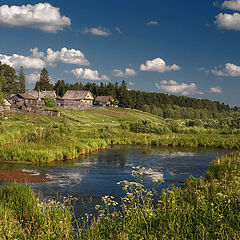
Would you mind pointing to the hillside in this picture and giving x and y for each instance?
(40, 139)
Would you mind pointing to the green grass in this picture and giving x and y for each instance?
(40, 139)
(24, 216)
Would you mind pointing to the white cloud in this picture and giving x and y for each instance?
(128, 72)
(41, 16)
(158, 65)
(232, 4)
(32, 78)
(36, 53)
(153, 23)
(98, 31)
(38, 60)
(215, 90)
(131, 84)
(173, 87)
(16, 61)
(118, 30)
(228, 70)
(88, 74)
(70, 56)
(228, 21)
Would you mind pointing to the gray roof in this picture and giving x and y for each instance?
(41, 94)
(77, 95)
(104, 98)
(24, 96)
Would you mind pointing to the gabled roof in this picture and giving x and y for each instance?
(24, 96)
(77, 95)
(104, 98)
(41, 94)
(6, 103)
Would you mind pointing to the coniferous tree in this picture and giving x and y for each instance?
(9, 85)
(1, 84)
(22, 87)
(44, 82)
(60, 88)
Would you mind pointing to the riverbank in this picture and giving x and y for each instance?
(41, 139)
(201, 209)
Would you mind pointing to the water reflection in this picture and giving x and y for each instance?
(93, 176)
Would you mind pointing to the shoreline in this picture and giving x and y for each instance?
(89, 152)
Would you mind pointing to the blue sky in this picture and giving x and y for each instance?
(177, 47)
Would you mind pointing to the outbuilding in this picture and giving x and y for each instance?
(76, 100)
(104, 101)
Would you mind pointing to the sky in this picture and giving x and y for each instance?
(177, 47)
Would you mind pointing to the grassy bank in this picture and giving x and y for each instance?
(41, 139)
(201, 209)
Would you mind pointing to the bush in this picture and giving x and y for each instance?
(49, 101)
(148, 126)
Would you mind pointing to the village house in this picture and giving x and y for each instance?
(104, 101)
(76, 100)
(23, 101)
(5, 106)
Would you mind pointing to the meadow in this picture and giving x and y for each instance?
(40, 139)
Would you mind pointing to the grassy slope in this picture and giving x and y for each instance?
(43, 139)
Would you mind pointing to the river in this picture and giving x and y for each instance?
(90, 177)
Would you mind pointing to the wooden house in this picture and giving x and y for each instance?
(76, 100)
(5, 106)
(23, 101)
(104, 101)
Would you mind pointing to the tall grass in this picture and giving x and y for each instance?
(24, 216)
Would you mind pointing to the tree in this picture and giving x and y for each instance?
(44, 82)
(1, 84)
(60, 88)
(21, 78)
(9, 82)
(123, 95)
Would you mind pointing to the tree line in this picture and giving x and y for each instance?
(163, 105)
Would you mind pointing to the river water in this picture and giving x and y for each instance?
(90, 177)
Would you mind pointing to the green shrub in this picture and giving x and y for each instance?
(49, 101)
(148, 126)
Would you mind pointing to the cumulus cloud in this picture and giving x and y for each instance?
(128, 72)
(153, 23)
(88, 74)
(38, 60)
(32, 78)
(215, 90)
(16, 61)
(131, 84)
(158, 65)
(228, 21)
(232, 4)
(173, 87)
(70, 56)
(41, 16)
(36, 53)
(98, 31)
(228, 70)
